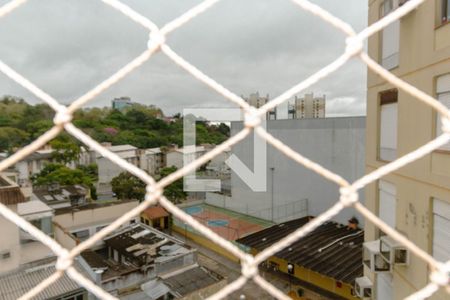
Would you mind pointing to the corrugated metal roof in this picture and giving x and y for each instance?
(16, 283)
(332, 249)
(194, 279)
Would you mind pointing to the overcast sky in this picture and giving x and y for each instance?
(67, 47)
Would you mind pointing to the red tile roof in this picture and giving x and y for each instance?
(155, 212)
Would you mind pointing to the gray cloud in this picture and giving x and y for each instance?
(68, 47)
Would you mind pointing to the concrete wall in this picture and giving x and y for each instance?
(89, 219)
(335, 143)
(10, 243)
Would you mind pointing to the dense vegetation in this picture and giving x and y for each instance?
(139, 125)
(128, 186)
(63, 175)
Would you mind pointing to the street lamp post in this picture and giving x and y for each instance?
(272, 169)
(290, 268)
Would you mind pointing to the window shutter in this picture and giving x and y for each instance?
(387, 202)
(388, 131)
(443, 95)
(441, 230)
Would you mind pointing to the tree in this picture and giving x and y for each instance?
(65, 151)
(11, 138)
(128, 186)
(62, 175)
(174, 192)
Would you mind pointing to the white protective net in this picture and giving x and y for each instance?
(439, 271)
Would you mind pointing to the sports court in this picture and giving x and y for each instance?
(228, 224)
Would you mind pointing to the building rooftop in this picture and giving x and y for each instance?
(332, 249)
(60, 195)
(16, 283)
(90, 205)
(179, 284)
(155, 212)
(10, 192)
(190, 280)
(139, 247)
(34, 209)
(47, 154)
(188, 149)
(153, 151)
(117, 149)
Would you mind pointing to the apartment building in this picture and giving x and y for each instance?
(107, 169)
(152, 160)
(309, 106)
(414, 200)
(257, 101)
(121, 103)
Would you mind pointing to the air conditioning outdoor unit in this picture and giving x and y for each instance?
(393, 252)
(363, 287)
(372, 258)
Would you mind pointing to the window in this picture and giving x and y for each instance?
(77, 296)
(100, 228)
(388, 125)
(5, 254)
(445, 11)
(390, 37)
(82, 235)
(387, 202)
(443, 96)
(441, 234)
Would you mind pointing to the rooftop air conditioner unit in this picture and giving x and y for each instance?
(372, 258)
(363, 287)
(393, 252)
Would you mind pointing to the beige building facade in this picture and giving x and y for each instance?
(308, 106)
(415, 200)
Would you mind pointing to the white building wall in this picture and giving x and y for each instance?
(336, 143)
(174, 158)
(90, 219)
(10, 243)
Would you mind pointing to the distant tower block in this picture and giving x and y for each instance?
(121, 103)
(257, 101)
(308, 107)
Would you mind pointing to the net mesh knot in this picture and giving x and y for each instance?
(62, 117)
(348, 196)
(156, 39)
(64, 261)
(249, 267)
(354, 45)
(252, 118)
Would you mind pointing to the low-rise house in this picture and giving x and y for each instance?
(107, 169)
(192, 282)
(152, 160)
(18, 246)
(73, 225)
(136, 254)
(175, 157)
(325, 262)
(57, 196)
(31, 165)
(157, 217)
(16, 283)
